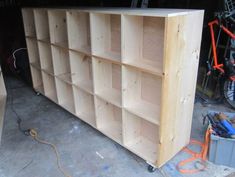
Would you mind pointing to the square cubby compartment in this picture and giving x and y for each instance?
(140, 136)
(60, 57)
(65, 95)
(109, 119)
(142, 94)
(49, 86)
(143, 42)
(58, 27)
(84, 106)
(81, 70)
(107, 80)
(33, 53)
(42, 25)
(79, 31)
(37, 79)
(106, 35)
(29, 25)
(45, 57)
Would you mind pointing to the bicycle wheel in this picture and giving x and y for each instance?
(229, 92)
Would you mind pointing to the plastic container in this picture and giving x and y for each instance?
(222, 150)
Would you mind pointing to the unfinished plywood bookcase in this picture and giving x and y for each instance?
(131, 74)
(3, 97)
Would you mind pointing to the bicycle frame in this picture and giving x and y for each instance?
(211, 24)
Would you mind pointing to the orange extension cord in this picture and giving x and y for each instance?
(195, 156)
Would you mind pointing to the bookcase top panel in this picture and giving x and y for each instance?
(156, 12)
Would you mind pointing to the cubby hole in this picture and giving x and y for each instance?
(60, 57)
(106, 36)
(109, 119)
(79, 31)
(144, 42)
(42, 25)
(37, 79)
(49, 86)
(32, 48)
(29, 25)
(65, 95)
(58, 27)
(45, 57)
(142, 93)
(81, 70)
(140, 136)
(107, 80)
(84, 106)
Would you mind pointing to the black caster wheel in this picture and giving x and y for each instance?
(38, 93)
(151, 169)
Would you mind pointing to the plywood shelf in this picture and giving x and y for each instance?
(79, 31)
(140, 136)
(58, 27)
(142, 93)
(49, 86)
(42, 25)
(81, 69)
(36, 64)
(144, 42)
(106, 35)
(111, 95)
(29, 25)
(45, 57)
(61, 63)
(84, 106)
(109, 119)
(33, 53)
(65, 95)
(37, 79)
(145, 110)
(107, 80)
(123, 71)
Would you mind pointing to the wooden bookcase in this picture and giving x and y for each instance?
(131, 74)
(3, 98)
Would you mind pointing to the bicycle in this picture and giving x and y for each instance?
(225, 21)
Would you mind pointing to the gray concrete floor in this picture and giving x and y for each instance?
(85, 152)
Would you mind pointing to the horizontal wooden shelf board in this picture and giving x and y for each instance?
(141, 68)
(87, 117)
(110, 131)
(61, 45)
(47, 40)
(39, 89)
(52, 96)
(109, 56)
(112, 96)
(48, 71)
(86, 51)
(118, 62)
(85, 85)
(145, 110)
(66, 77)
(36, 65)
(143, 148)
(31, 37)
(68, 106)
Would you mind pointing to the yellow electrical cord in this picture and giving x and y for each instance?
(33, 133)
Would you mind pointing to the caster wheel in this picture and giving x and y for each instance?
(151, 169)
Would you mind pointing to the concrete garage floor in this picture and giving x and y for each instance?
(85, 152)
